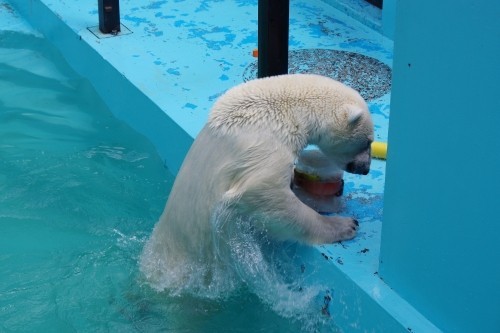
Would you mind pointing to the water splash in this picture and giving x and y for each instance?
(246, 262)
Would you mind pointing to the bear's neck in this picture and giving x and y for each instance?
(283, 114)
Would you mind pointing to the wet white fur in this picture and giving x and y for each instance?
(241, 164)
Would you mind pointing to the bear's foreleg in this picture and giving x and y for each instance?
(280, 213)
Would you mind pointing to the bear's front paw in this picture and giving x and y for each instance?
(338, 228)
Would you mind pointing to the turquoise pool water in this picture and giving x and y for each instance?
(79, 195)
(79, 191)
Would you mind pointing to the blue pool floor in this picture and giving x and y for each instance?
(182, 55)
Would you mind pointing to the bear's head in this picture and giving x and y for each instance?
(346, 138)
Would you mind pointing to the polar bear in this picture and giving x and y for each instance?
(241, 164)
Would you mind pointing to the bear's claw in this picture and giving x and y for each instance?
(337, 228)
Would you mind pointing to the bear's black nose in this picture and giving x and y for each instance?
(350, 167)
(357, 168)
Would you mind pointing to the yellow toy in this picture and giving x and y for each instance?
(379, 150)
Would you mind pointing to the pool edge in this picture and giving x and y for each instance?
(126, 101)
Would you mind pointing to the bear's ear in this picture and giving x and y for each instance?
(354, 114)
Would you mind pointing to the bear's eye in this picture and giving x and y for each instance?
(366, 146)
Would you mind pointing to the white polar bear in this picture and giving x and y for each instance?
(241, 164)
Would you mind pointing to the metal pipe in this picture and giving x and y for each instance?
(273, 37)
(109, 16)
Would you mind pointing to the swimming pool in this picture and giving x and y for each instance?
(106, 291)
(79, 192)
(79, 195)
(178, 43)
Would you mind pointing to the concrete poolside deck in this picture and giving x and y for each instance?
(174, 58)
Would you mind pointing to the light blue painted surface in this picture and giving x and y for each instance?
(441, 231)
(389, 18)
(163, 78)
(381, 20)
(360, 10)
(11, 20)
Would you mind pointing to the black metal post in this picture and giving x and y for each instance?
(273, 37)
(109, 16)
